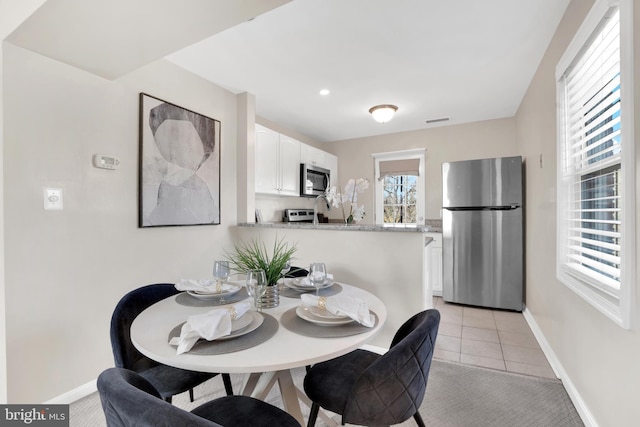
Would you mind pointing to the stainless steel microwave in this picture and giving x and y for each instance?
(314, 180)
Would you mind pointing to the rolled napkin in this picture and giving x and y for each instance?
(355, 308)
(210, 325)
(203, 286)
(306, 282)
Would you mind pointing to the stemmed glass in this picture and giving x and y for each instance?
(220, 273)
(256, 286)
(285, 269)
(317, 275)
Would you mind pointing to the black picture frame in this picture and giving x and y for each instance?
(179, 166)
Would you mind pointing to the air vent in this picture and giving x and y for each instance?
(442, 119)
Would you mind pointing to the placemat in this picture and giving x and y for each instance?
(326, 292)
(268, 329)
(184, 298)
(292, 322)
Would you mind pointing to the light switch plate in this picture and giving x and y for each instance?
(52, 198)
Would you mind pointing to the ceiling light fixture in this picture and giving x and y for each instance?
(324, 92)
(383, 113)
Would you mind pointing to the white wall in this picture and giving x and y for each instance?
(66, 270)
(598, 359)
(13, 13)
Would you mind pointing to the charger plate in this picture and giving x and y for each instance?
(292, 322)
(183, 298)
(326, 292)
(264, 332)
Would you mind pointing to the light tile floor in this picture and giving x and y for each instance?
(490, 338)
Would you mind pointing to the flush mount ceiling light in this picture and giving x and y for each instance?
(383, 113)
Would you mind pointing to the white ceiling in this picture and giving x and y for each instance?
(468, 60)
(114, 37)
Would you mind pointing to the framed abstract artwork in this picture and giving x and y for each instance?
(179, 166)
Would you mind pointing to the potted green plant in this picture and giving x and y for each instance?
(254, 255)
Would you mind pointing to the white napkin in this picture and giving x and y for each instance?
(355, 308)
(306, 282)
(203, 286)
(210, 325)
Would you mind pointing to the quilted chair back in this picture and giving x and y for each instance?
(130, 400)
(392, 388)
(125, 354)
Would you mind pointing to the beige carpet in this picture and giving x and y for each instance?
(457, 396)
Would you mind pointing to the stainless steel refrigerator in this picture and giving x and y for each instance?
(482, 232)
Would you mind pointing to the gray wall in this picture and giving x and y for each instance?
(491, 138)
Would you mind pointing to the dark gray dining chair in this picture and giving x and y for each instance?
(370, 389)
(130, 400)
(167, 380)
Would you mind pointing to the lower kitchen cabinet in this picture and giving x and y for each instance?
(435, 263)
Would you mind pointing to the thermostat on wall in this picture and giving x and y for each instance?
(105, 162)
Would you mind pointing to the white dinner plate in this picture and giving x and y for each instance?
(251, 320)
(298, 284)
(305, 313)
(213, 294)
(325, 314)
(242, 326)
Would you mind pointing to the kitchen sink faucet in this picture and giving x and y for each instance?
(315, 207)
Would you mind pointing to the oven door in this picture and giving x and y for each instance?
(314, 180)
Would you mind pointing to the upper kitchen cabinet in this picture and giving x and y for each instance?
(317, 157)
(277, 163)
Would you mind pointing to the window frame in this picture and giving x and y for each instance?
(420, 185)
(616, 307)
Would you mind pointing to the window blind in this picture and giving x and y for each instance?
(592, 160)
(399, 167)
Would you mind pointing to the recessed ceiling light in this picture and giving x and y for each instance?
(324, 92)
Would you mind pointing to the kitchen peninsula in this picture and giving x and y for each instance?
(392, 263)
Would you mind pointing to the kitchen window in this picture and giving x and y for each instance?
(399, 188)
(596, 188)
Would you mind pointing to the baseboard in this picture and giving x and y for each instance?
(558, 369)
(74, 395)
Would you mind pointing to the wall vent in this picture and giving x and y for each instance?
(442, 119)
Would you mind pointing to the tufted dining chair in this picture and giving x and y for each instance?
(378, 390)
(129, 400)
(167, 380)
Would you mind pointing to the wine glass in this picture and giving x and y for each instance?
(317, 275)
(285, 269)
(220, 273)
(256, 286)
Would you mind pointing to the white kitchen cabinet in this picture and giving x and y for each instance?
(312, 155)
(332, 165)
(277, 163)
(435, 263)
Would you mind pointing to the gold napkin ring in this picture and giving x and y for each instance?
(233, 312)
(322, 303)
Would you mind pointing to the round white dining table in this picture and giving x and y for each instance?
(265, 363)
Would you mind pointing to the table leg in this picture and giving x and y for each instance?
(259, 385)
(323, 415)
(289, 394)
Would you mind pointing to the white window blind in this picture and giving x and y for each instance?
(595, 180)
(592, 93)
(399, 167)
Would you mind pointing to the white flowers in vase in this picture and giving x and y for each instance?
(350, 196)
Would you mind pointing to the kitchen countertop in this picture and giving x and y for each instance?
(340, 226)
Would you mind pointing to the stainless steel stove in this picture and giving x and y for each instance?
(297, 215)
